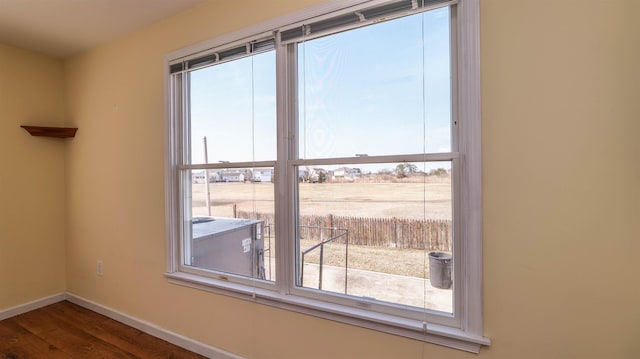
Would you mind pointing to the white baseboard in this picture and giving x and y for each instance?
(154, 330)
(27, 307)
(149, 328)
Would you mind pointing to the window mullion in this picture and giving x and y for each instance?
(285, 90)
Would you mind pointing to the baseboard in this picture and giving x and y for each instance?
(27, 307)
(149, 328)
(154, 330)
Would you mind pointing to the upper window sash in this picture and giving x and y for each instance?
(236, 97)
(428, 122)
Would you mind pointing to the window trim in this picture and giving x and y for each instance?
(468, 336)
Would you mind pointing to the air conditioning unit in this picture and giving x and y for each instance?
(231, 245)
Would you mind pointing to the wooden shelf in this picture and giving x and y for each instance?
(59, 132)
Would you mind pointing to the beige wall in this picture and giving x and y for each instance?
(32, 182)
(561, 120)
(561, 178)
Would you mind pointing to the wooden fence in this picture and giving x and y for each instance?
(432, 235)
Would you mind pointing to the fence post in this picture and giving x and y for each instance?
(331, 225)
(235, 210)
(395, 232)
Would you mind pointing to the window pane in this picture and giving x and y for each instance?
(368, 230)
(235, 232)
(233, 104)
(378, 90)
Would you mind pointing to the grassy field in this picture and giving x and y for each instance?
(431, 200)
(407, 262)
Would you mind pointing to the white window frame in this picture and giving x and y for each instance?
(464, 333)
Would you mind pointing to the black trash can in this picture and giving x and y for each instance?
(440, 269)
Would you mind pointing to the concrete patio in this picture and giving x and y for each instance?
(391, 288)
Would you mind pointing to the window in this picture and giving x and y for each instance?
(330, 164)
(229, 153)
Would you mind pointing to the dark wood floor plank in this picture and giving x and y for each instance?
(18, 343)
(64, 330)
(72, 340)
(124, 337)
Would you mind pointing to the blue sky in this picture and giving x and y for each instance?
(378, 90)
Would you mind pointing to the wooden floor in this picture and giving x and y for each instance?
(65, 330)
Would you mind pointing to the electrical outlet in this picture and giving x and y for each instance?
(99, 269)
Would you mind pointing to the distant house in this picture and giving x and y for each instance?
(232, 176)
(214, 176)
(262, 175)
(198, 177)
(248, 174)
(345, 173)
(317, 175)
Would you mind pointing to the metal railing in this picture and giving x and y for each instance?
(345, 233)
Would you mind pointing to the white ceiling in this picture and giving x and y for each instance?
(61, 28)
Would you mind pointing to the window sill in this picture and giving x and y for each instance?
(437, 334)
